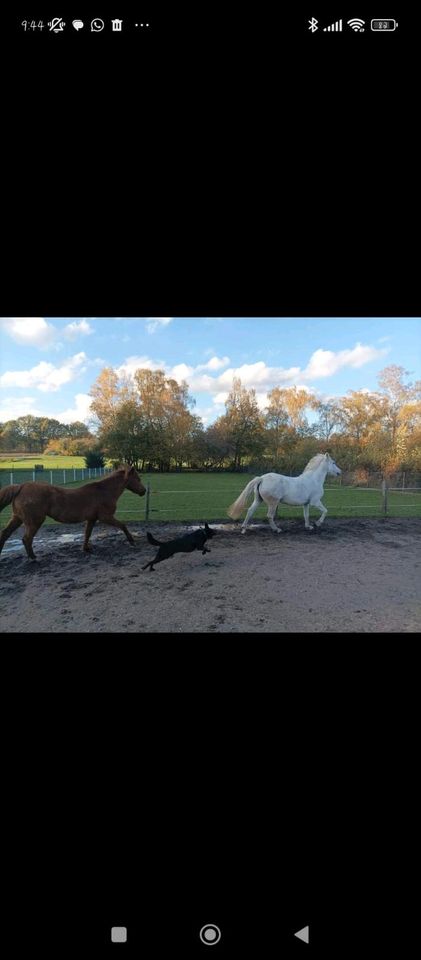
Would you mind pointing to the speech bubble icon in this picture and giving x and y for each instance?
(78, 24)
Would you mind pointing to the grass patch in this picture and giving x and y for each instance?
(49, 463)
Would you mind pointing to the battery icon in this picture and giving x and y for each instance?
(384, 24)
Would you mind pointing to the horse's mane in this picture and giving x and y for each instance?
(112, 474)
(314, 462)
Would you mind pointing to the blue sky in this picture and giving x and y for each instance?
(48, 364)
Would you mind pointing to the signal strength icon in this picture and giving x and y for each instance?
(356, 25)
(334, 26)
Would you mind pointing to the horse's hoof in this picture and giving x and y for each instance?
(243, 531)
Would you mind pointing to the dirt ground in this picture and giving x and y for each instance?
(349, 575)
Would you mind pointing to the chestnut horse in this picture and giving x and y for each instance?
(33, 502)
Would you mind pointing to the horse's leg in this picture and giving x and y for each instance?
(306, 511)
(117, 523)
(13, 524)
(251, 510)
(31, 527)
(88, 530)
(272, 505)
(323, 511)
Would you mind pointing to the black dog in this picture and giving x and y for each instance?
(190, 541)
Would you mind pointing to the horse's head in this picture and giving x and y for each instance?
(332, 467)
(133, 481)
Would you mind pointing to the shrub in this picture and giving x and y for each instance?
(94, 458)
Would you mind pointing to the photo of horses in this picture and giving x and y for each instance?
(296, 440)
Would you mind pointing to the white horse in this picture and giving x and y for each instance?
(305, 490)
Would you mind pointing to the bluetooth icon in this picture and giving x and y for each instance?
(313, 25)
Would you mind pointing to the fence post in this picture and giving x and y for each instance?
(148, 489)
(11, 478)
(51, 477)
(33, 475)
(89, 471)
(384, 492)
(64, 476)
(74, 474)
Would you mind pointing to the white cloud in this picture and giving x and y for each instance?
(203, 383)
(80, 411)
(215, 363)
(46, 376)
(37, 332)
(324, 363)
(77, 328)
(220, 398)
(257, 375)
(13, 407)
(156, 323)
(210, 377)
(29, 331)
(132, 364)
(181, 371)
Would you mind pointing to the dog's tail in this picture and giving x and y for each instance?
(8, 494)
(151, 539)
(237, 507)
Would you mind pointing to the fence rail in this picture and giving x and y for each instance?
(210, 500)
(56, 476)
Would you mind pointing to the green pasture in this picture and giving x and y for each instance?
(200, 497)
(49, 463)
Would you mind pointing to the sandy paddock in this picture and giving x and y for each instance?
(349, 575)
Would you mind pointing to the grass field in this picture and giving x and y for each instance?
(207, 496)
(49, 463)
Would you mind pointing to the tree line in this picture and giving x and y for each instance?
(31, 434)
(149, 421)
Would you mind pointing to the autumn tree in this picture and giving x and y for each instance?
(145, 420)
(401, 415)
(276, 422)
(328, 419)
(107, 393)
(243, 423)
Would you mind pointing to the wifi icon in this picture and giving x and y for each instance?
(357, 25)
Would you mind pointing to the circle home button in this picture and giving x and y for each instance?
(210, 934)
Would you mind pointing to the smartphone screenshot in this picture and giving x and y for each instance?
(210, 476)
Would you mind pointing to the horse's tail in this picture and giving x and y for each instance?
(237, 507)
(8, 494)
(151, 539)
